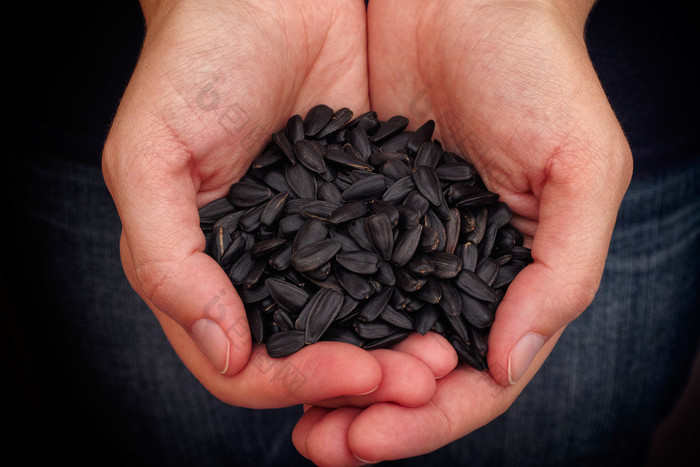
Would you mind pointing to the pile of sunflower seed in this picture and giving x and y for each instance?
(361, 231)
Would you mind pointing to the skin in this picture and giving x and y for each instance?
(510, 85)
(215, 79)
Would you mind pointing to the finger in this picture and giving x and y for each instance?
(312, 415)
(326, 442)
(577, 212)
(315, 373)
(432, 349)
(464, 401)
(334, 368)
(405, 380)
(195, 292)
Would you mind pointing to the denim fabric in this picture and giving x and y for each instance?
(618, 369)
(114, 390)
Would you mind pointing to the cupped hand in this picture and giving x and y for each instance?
(215, 79)
(510, 85)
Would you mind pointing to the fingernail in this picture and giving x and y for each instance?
(213, 341)
(522, 355)
(368, 392)
(366, 462)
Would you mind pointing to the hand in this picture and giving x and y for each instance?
(510, 85)
(214, 80)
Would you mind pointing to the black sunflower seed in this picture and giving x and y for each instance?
(235, 247)
(311, 231)
(426, 318)
(301, 181)
(311, 154)
(283, 320)
(230, 221)
(252, 219)
(284, 343)
(276, 180)
(267, 246)
(466, 355)
(314, 255)
(248, 193)
(330, 193)
(385, 274)
(294, 129)
(393, 126)
(478, 341)
(409, 282)
(469, 254)
(288, 296)
(373, 307)
(422, 134)
(487, 269)
(415, 200)
(421, 265)
(458, 325)
(481, 198)
(289, 225)
(317, 209)
(398, 318)
(348, 211)
(361, 142)
(428, 183)
(395, 169)
(398, 190)
(282, 141)
(454, 172)
(214, 210)
(317, 118)
(452, 230)
(447, 266)
(374, 330)
(378, 158)
(451, 301)
(473, 285)
(380, 235)
(342, 334)
(406, 245)
(428, 154)
(476, 312)
(365, 188)
(338, 120)
(274, 209)
(256, 323)
(506, 274)
(282, 258)
(254, 294)
(386, 341)
(241, 267)
(361, 261)
(356, 285)
(348, 158)
(396, 143)
(219, 243)
(431, 292)
(429, 239)
(322, 312)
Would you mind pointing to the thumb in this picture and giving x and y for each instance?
(569, 248)
(162, 244)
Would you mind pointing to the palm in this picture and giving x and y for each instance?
(512, 89)
(209, 89)
(237, 75)
(510, 86)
